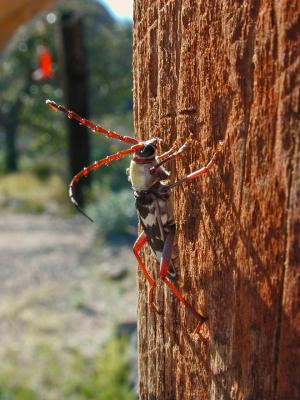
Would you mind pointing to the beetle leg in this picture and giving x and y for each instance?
(168, 152)
(140, 242)
(200, 171)
(172, 154)
(166, 257)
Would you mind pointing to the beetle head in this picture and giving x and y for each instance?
(150, 147)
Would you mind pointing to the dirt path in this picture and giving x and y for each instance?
(57, 286)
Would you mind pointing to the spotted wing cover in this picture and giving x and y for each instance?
(155, 215)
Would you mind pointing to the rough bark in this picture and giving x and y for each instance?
(225, 70)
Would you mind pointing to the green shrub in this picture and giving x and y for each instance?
(115, 213)
(68, 374)
(25, 192)
(104, 378)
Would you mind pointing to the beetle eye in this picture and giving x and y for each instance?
(147, 151)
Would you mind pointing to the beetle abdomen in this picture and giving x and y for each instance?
(156, 217)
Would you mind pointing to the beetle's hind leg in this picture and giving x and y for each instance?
(140, 242)
(166, 257)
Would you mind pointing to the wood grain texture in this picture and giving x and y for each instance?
(224, 70)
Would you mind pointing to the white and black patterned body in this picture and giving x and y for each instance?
(152, 200)
(155, 215)
(153, 204)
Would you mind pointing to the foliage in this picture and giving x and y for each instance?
(70, 376)
(26, 192)
(113, 176)
(114, 213)
(42, 183)
(22, 100)
(41, 136)
(109, 48)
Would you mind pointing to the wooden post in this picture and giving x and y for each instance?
(75, 80)
(224, 71)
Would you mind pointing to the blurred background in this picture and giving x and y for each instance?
(67, 286)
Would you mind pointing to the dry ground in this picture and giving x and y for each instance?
(58, 285)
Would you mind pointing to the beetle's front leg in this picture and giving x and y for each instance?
(172, 154)
(198, 172)
(168, 152)
(166, 257)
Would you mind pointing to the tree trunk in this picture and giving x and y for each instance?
(229, 71)
(75, 82)
(11, 152)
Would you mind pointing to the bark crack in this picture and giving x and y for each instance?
(290, 167)
(248, 101)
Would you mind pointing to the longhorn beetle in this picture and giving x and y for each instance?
(152, 198)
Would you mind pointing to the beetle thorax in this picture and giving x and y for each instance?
(140, 176)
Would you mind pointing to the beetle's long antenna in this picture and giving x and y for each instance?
(96, 165)
(81, 210)
(82, 121)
